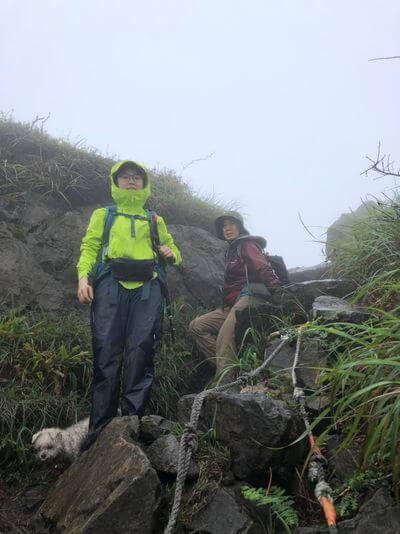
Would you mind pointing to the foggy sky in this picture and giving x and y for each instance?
(280, 92)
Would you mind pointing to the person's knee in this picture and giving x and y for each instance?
(194, 328)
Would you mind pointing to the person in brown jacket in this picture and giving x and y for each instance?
(246, 268)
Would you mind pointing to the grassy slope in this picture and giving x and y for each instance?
(31, 160)
(364, 380)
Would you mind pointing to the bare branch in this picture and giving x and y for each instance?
(306, 227)
(203, 158)
(382, 165)
(383, 58)
(42, 120)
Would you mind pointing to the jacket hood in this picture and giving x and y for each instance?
(231, 215)
(129, 198)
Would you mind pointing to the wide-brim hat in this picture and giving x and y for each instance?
(230, 215)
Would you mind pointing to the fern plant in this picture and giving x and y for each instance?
(280, 507)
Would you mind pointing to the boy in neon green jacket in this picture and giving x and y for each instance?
(120, 272)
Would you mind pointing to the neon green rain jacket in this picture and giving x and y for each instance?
(122, 244)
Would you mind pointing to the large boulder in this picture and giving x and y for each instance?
(297, 299)
(164, 456)
(110, 488)
(306, 274)
(153, 427)
(330, 309)
(251, 425)
(378, 515)
(201, 275)
(312, 357)
(341, 228)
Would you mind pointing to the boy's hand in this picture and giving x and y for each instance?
(166, 253)
(85, 291)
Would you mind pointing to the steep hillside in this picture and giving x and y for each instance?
(49, 189)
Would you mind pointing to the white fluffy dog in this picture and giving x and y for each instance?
(57, 446)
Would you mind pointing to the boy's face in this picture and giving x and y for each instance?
(130, 179)
(230, 229)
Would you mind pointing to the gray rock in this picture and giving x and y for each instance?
(328, 309)
(312, 357)
(341, 228)
(342, 462)
(222, 515)
(250, 425)
(164, 455)
(35, 495)
(306, 274)
(155, 426)
(110, 488)
(378, 515)
(298, 298)
(316, 404)
(201, 275)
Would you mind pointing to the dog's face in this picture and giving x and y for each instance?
(48, 445)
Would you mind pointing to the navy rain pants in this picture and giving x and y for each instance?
(125, 323)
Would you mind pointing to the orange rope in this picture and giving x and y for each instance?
(329, 511)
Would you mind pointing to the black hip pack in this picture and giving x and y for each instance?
(132, 270)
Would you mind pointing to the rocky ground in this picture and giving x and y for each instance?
(125, 482)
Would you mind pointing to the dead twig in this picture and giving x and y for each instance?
(306, 227)
(203, 158)
(383, 58)
(382, 164)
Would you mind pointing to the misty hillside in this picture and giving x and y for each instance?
(69, 176)
(48, 190)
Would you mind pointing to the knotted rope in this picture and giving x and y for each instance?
(317, 464)
(188, 443)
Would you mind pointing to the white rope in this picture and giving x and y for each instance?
(188, 441)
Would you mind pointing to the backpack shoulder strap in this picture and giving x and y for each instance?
(108, 222)
(240, 253)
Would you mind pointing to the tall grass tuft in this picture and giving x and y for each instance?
(45, 374)
(32, 162)
(368, 250)
(364, 386)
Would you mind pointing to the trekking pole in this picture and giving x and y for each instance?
(170, 316)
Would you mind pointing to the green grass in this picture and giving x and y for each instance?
(369, 252)
(213, 461)
(45, 378)
(364, 387)
(34, 163)
(45, 373)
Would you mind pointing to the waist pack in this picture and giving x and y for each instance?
(132, 270)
